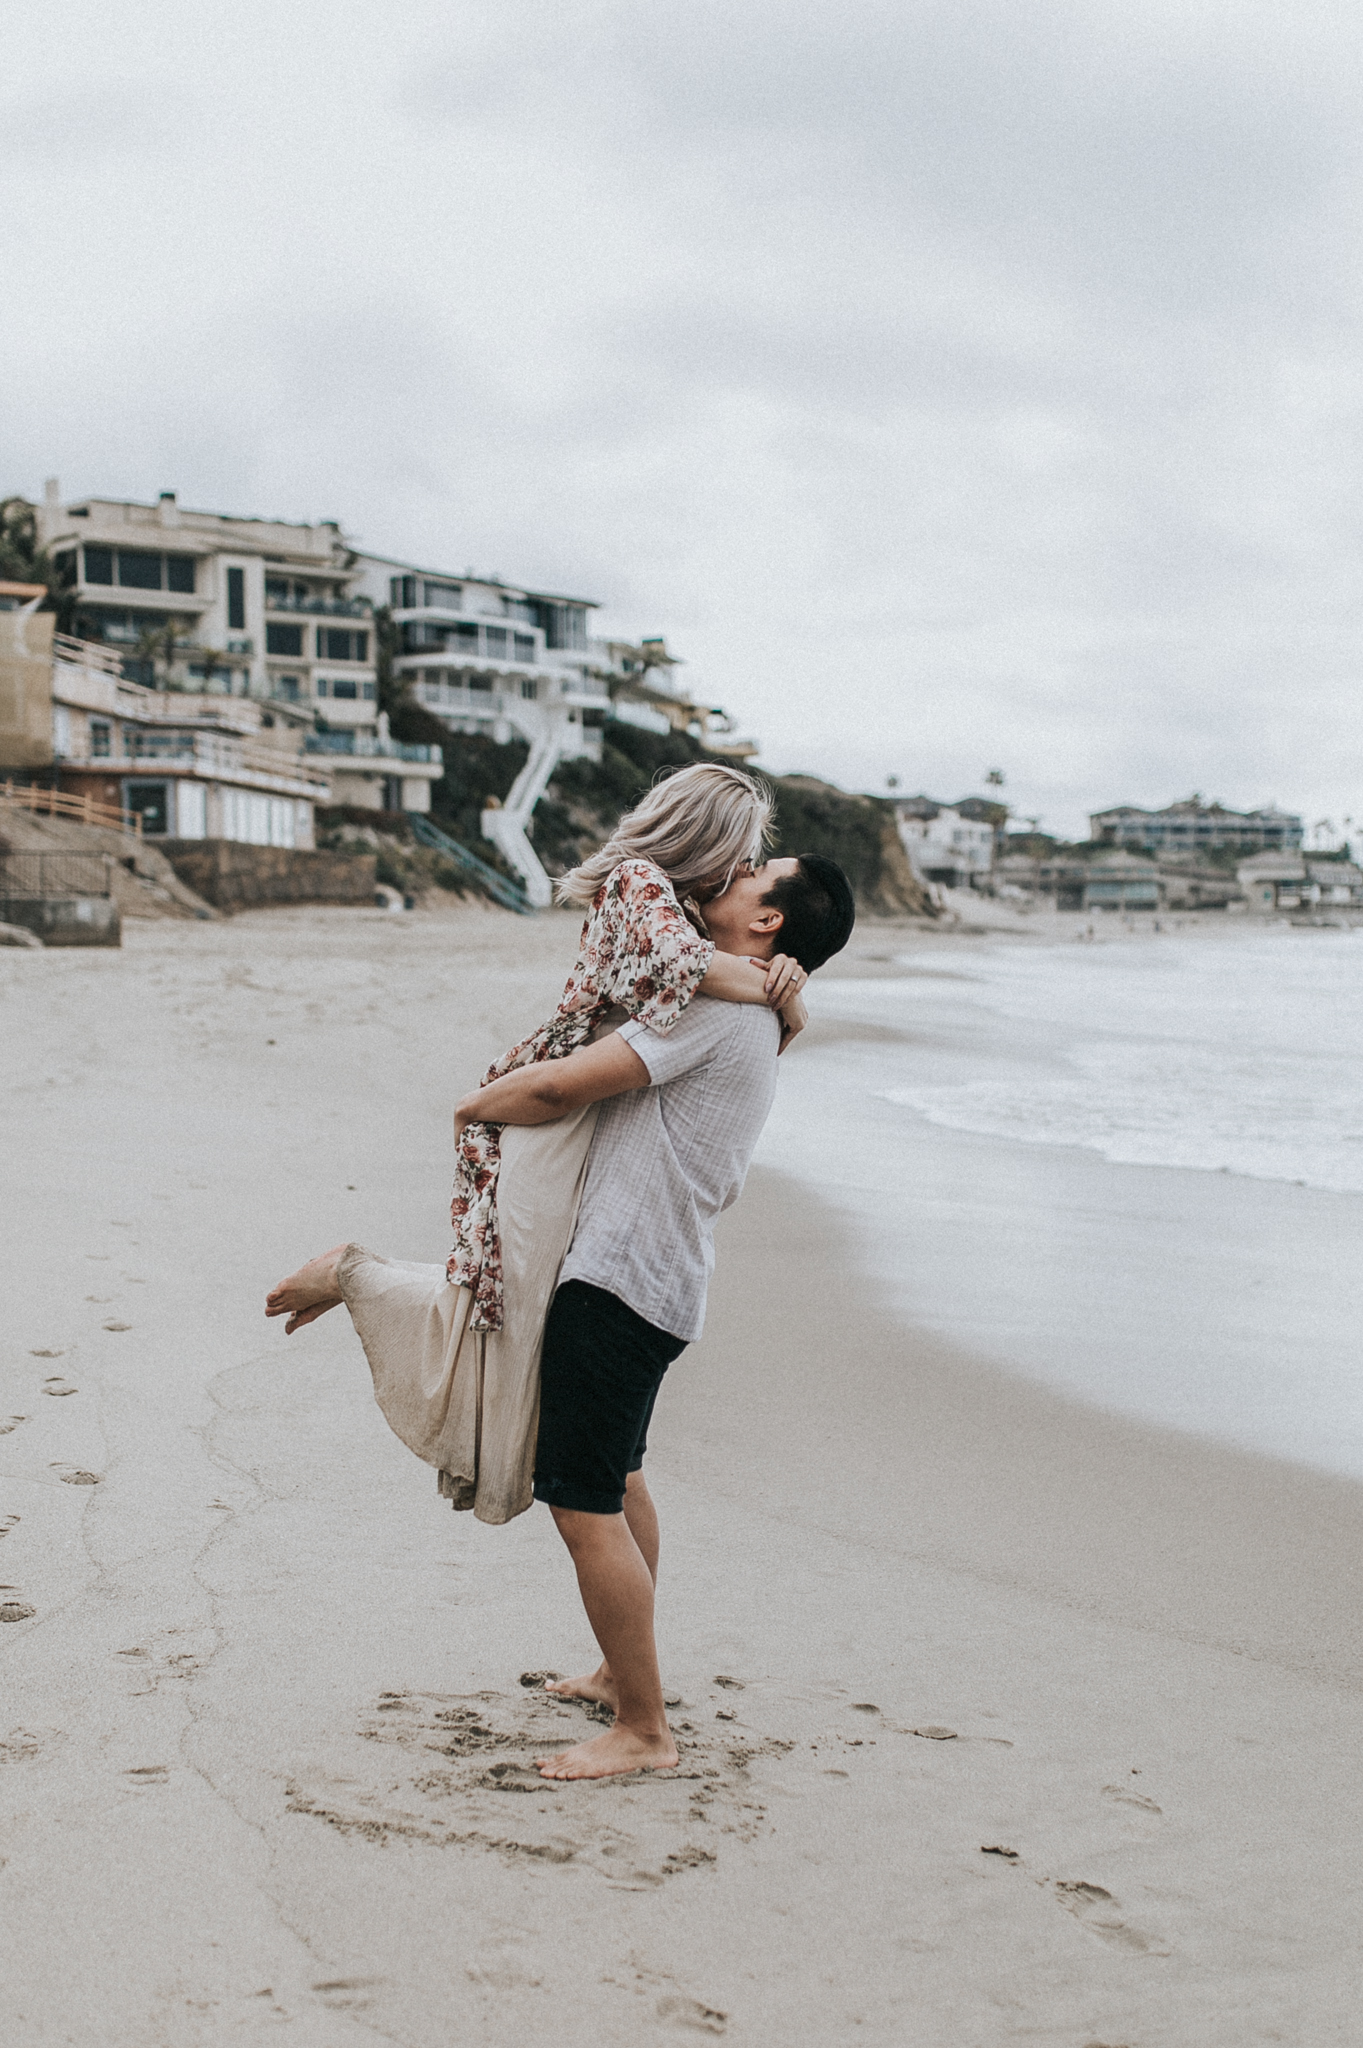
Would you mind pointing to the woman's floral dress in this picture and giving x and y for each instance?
(640, 951)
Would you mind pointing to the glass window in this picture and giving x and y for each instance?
(368, 690)
(236, 599)
(467, 632)
(101, 739)
(137, 571)
(180, 574)
(343, 686)
(447, 596)
(99, 565)
(402, 593)
(529, 686)
(277, 588)
(287, 687)
(496, 640)
(525, 648)
(339, 643)
(322, 686)
(286, 640)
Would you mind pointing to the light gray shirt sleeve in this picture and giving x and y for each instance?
(702, 1029)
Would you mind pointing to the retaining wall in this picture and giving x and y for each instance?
(231, 876)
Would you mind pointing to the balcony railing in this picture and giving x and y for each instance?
(368, 746)
(323, 607)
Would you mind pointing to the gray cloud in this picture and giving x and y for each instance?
(954, 383)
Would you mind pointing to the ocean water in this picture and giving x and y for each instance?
(952, 1105)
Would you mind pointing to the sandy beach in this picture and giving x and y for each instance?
(1005, 1717)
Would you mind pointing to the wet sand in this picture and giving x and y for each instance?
(1003, 1719)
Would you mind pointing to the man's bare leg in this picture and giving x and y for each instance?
(616, 1585)
(308, 1293)
(641, 1518)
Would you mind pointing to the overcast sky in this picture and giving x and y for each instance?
(956, 385)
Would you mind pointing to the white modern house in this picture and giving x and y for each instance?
(942, 844)
(258, 611)
(491, 657)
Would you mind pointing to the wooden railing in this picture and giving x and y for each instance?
(58, 804)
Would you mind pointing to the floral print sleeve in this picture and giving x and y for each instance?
(639, 950)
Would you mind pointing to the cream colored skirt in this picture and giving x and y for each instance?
(467, 1401)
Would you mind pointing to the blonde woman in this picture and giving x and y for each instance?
(455, 1354)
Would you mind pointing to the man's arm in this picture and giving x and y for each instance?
(547, 1090)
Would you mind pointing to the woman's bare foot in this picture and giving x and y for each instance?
(308, 1293)
(597, 1686)
(612, 1755)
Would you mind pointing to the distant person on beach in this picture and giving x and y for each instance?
(680, 1116)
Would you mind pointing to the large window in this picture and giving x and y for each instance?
(101, 739)
(340, 643)
(138, 569)
(236, 600)
(447, 596)
(344, 686)
(286, 640)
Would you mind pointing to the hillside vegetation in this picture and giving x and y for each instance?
(579, 809)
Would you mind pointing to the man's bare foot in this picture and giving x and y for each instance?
(598, 1686)
(308, 1293)
(612, 1755)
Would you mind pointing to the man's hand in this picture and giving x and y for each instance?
(549, 1089)
(794, 1017)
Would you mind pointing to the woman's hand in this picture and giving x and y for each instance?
(794, 1017)
(785, 978)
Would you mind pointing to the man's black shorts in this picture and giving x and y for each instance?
(600, 1372)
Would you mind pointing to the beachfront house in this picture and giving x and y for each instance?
(1122, 881)
(177, 765)
(1275, 881)
(508, 661)
(261, 613)
(943, 844)
(1195, 827)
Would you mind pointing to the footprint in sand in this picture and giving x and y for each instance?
(75, 1477)
(933, 1734)
(733, 1684)
(8, 1522)
(58, 1387)
(1097, 1910)
(149, 1774)
(16, 1610)
(118, 1326)
(1126, 1797)
(47, 1354)
(689, 2012)
(11, 1422)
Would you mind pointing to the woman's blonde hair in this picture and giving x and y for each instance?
(700, 826)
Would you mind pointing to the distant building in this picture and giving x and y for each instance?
(1281, 882)
(206, 605)
(1193, 827)
(943, 844)
(1122, 881)
(645, 691)
(178, 763)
